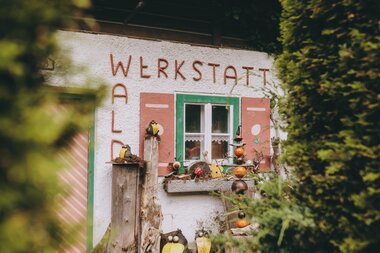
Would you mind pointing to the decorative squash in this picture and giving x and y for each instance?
(240, 172)
(241, 223)
(239, 151)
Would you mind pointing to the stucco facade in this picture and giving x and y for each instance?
(188, 69)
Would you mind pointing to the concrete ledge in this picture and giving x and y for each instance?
(181, 186)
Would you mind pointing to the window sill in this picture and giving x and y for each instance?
(205, 185)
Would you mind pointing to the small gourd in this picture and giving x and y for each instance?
(240, 172)
(239, 151)
(241, 223)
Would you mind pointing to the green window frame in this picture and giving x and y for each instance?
(182, 99)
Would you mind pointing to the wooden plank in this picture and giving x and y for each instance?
(124, 210)
(180, 186)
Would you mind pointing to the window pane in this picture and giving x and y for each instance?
(193, 150)
(193, 121)
(219, 149)
(220, 119)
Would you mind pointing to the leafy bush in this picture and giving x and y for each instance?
(330, 70)
(282, 221)
(30, 136)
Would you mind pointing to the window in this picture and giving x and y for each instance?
(205, 123)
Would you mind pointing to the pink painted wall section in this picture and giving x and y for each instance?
(256, 128)
(73, 206)
(159, 107)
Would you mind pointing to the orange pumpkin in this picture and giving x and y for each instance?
(240, 172)
(241, 223)
(239, 151)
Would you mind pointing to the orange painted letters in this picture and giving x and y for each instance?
(197, 70)
(234, 76)
(120, 65)
(177, 70)
(247, 73)
(112, 144)
(161, 69)
(214, 65)
(142, 67)
(125, 95)
(113, 124)
(265, 76)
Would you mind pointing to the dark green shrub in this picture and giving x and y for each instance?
(330, 70)
(31, 138)
(282, 222)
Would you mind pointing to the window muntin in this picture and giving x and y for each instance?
(207, 128)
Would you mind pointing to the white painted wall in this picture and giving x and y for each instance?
(93, 52)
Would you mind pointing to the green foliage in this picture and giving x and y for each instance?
(32, 134)
(330, 70)
(281, 220)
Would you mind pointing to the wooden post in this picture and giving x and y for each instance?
(151, 215)
(125, 208)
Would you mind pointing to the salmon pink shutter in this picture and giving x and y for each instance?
(256, 128)
(159, 107)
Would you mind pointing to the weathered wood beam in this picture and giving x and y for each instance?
(150, 212)
(125, 222)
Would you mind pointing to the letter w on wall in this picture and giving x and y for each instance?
(159, 107)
